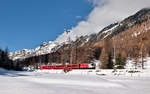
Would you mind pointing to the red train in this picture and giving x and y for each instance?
(73, 66)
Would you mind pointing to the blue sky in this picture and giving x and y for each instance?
(28, 23)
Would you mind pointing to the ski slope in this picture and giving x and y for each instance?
(12, 82)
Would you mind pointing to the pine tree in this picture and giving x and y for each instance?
(5, 62)
(110, 62)
(120, 62)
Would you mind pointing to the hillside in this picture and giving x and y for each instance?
(129, 38)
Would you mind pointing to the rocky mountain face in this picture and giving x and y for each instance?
(129, 37)
(45, 48)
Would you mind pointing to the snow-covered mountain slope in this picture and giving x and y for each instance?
(45, 48)
(72, 35)
(20, 54)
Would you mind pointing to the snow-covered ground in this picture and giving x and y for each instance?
(99, 81)
(75, 82)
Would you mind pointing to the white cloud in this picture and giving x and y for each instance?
(104, 13)
(78, 17)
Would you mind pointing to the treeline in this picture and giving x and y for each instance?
(67, 54)
(6, 63)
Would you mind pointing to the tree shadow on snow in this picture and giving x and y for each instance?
(12, 73)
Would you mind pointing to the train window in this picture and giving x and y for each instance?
(75, 65)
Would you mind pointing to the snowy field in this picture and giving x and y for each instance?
(85, 82)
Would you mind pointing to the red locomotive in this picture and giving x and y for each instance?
(73, 66)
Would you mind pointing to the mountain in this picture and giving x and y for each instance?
(130, 37)
(45, 48)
